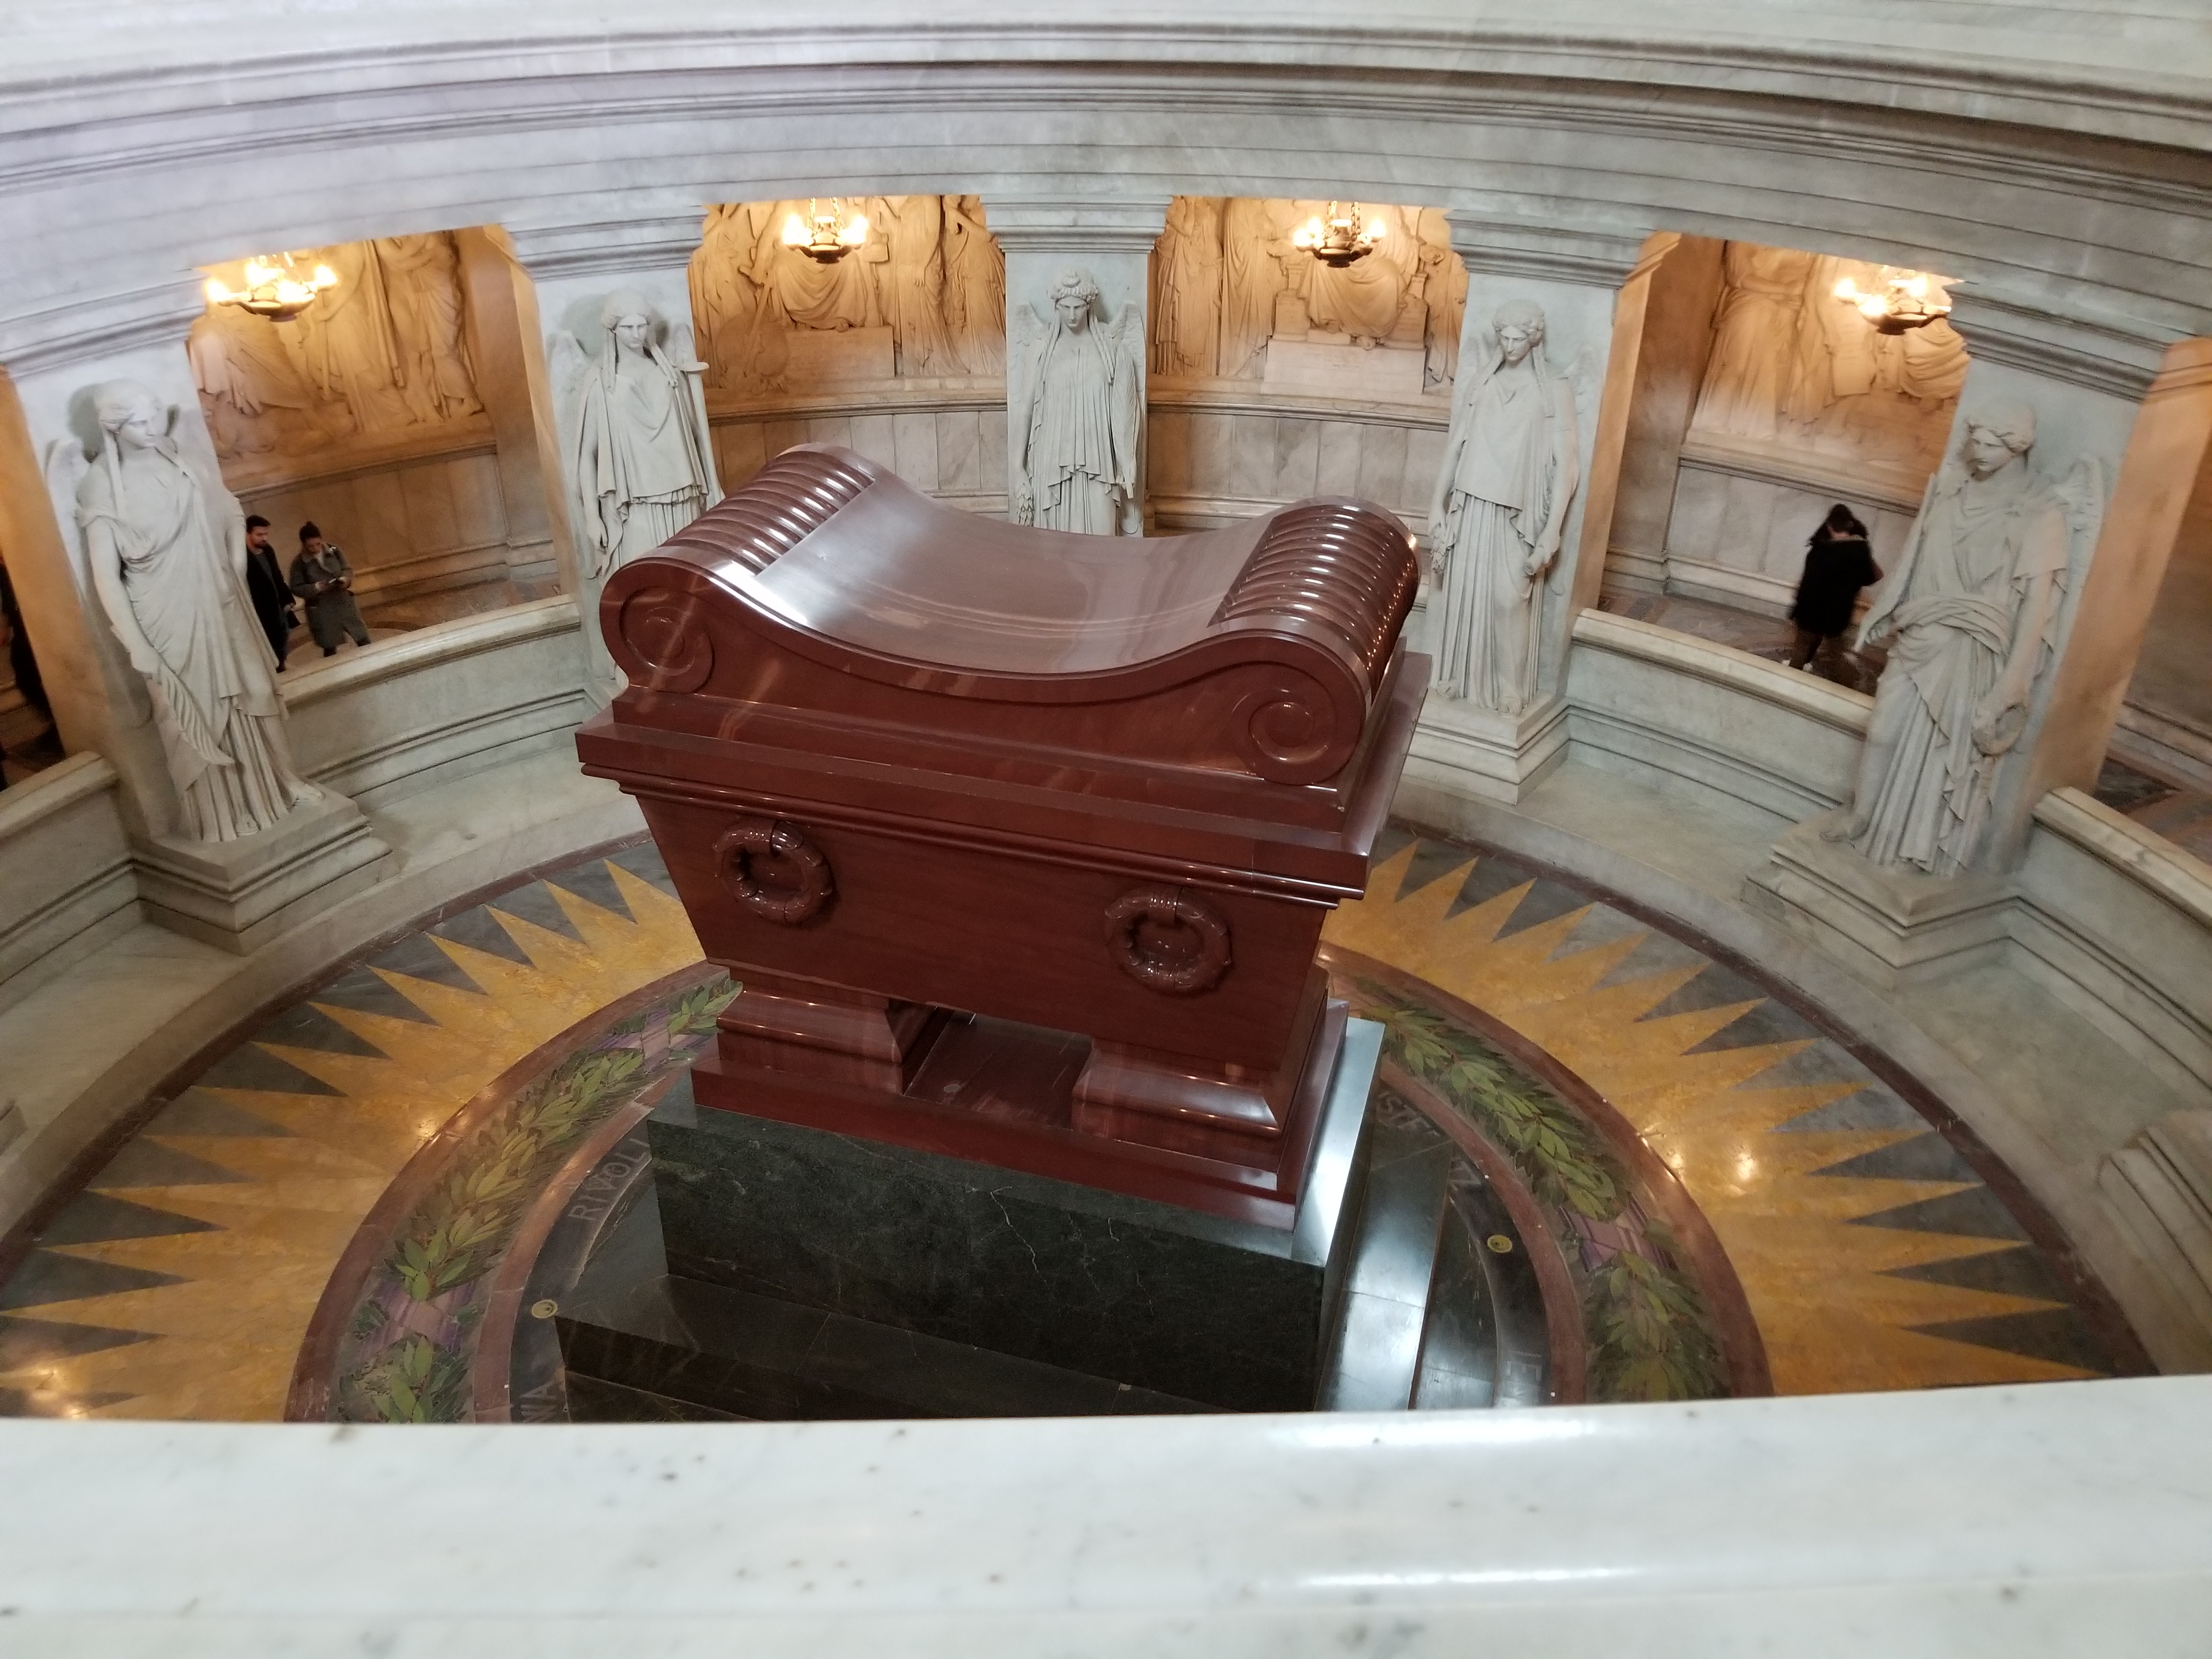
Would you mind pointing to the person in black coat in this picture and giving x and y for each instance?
(265, 585)
(1838, 564)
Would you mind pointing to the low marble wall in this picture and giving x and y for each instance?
(401, 714)
(410, 522)
(948, 444)
(2055, 1519)
(66, 886)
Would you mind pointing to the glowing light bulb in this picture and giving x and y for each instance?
(855, 233)
(794, 231)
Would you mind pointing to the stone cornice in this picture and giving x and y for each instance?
(2115, 359)
(1592, 259)
(608, 248)
(86, 328)
(1026, 223)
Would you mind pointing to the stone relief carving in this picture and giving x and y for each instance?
(929, 275)
(165, 549)
(1974, 609)
(384, 351)
(1792, 366)
(1227, 281)
(1076, 416)
(1511, 468)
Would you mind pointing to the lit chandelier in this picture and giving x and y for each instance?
(1906, 300)
(827, 237)
(1339, 238)
(275, 288)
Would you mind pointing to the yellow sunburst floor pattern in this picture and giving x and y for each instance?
(180, 1282)
(1872, 1253)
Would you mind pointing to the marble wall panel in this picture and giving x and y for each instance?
(870, 435)
(1167, 451)
(914, 452)
(1382, 454)
(1337, 460)
(428, 493)
(959, 441)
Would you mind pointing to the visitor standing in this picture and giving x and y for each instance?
(266, 586)
(321, 576)
(1838, 564)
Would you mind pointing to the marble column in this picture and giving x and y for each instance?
(502, 353)
(1592, 291)
(1110, 242)
(2122, 428)
(569, 269)
(235, 894)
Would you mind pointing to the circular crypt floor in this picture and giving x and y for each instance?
(361, 1207)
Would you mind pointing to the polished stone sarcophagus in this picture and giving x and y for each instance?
(1020, 842)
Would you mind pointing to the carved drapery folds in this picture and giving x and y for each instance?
(1794, 368)
(1971, 616)
(165, 544)
(1228, 282)
(383, 354)
(1075, 403)
(922, 298)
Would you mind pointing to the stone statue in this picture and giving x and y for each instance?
(1511, 467)
(810, 296)
(422, 285)
(165, 548)
(256, 400)
(1075, 410)
(1187, 272)
(641, 456)
(352, 352)
(975, 288)
(1974, 605)
(1754, 359)
(912, 299)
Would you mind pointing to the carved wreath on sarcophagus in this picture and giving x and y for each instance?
(662, 627)
(1168, 940)
(771, 868)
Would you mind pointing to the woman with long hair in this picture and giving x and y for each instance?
(1838, 564)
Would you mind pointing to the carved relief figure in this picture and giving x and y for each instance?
(166, 552)
(1861, 391)
(1076, 416)
(1511, 467)
(913, 302)
(743, 337)
(1187, 279)
(1364, 298)
(351, 350)
(256, 399)
(1255, 242)
(1443, 298)
(1752, 367)
(811, 296)
(423, 282)
(975, 287)
(1974, 606)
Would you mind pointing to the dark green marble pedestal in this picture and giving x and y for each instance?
(766, 1224)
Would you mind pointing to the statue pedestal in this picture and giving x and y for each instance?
(1891, 927)
(240, 894)
(981, 1290)
(1460, 750)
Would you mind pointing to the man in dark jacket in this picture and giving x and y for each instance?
(264, 584)
(321, 576)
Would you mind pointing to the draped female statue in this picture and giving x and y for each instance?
(1754, 365)
(167, 552)
(1511, 467)
(1974, 604)
(1076, 414)
(975, 287)
(1186, 289)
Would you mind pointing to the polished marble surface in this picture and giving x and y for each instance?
(2027, 1523)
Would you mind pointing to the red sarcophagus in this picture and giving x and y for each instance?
(1020, 842)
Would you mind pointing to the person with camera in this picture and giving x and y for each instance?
(323, 580)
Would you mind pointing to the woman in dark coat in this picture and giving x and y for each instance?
(1838, 564)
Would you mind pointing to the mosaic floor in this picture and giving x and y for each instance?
(342, 1215)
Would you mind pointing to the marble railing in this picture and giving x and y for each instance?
(65, 881)
(407, 711)
(2058, 1520)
